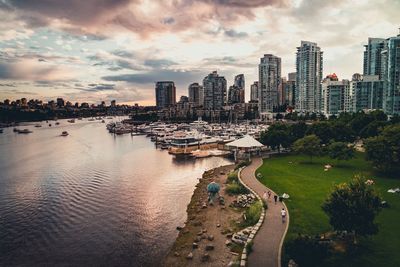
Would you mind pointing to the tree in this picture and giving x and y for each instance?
(353, 207)
(340, 151)
(309, 145)
(276, 136)
(384, 150)
(323, 130)
(297, 130)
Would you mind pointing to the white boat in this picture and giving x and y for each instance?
(24, 131)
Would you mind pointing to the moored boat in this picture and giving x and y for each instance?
(64, 133)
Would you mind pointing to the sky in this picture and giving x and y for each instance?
(99, 50)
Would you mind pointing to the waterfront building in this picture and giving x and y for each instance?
(309, 67)
(335, 95)
(234, 95)
(366, 92)
(373, 58)
(165, 94)
(391, 57)
(196, 94)
(214, 91)
(269, 79)
(254, 92)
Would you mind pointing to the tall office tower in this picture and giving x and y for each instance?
(291, 89)
(196, 94)
(366, 92)
(373, 61)
(214, 91)
(309, 66)
(269, 78)
(391, 57)
(165, 94)
(254, 92)
(335, 95)
(239, 83)
(234, 95)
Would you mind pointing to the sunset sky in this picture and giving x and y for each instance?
(94, 50)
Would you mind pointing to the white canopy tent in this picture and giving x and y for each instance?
(245, 143)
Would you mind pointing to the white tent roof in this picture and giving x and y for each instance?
(245, 141)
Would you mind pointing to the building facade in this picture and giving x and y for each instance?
(366, 93)
(335, 96)
(196, 94)
(254, 92)
(240, 83)
(391, 103)
(165, 94)
(309, 68)
(373, 58)
(269, 79)
(214, 91)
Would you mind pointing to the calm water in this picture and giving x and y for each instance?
(90, 199)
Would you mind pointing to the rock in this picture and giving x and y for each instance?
(185, 231)
(197, 223)
(197, 239)
(176, 254)
(218, 225)
(204, 230)
(200, 233)
(209, 247)
(205, 257)
(179, 228)
(204, 206)
(211, 237)
(204, 236)
(189, 256)
(195, 245)
(228, 243)
(292, 264)
(229, 235)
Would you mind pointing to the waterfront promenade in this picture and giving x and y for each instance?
(269, 239)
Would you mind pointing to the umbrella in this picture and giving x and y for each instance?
(213, 187)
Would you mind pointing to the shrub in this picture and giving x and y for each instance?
(249, 247)
(242, 164)
(232, 178)
(235, 189)
(307, 251)
(253, 213)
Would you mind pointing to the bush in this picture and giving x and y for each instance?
(242, 164)
(253, 213)
(232, 178)
(249, 247)
(307, 251)
(235, 189)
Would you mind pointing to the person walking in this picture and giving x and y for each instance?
(269, 194)
(265, 195)
(283, 214)
(275, 198)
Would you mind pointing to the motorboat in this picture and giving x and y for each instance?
(38, 125)
(24, 131)
(57, 123)
(71, 121)
(64, 133)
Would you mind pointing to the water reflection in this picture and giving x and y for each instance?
(90, 198)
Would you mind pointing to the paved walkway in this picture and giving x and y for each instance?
(268, 241)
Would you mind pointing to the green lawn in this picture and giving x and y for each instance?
(308, 185)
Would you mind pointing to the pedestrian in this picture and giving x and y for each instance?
(283, 213)
(269, 194)
(265, 195)
(275, 198)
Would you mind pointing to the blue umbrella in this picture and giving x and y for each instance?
(213, 188)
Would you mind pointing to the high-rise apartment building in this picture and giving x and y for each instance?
(290, 89)
(269, 78)
(373, 61)
(240, 83)
(254, 92)
(309, 67)
(366, 92)
(335, 96)
(391, 69)
(196, 94)
(214, 91)
(165, 94)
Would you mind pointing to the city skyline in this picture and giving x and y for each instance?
(121, 51)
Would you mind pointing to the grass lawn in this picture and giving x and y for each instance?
(308, 186)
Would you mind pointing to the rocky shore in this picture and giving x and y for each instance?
(206, 237)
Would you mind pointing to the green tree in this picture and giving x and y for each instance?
(340, 151)
(276, 136)
(384, 150)
(309, 145)
(323, 130)
(353, 207)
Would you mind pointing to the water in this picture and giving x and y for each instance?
(90, 199)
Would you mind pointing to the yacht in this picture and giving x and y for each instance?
(183, 143)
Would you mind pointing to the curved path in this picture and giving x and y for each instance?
(269, 239)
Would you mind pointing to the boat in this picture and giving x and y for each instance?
(183, 143)
(71, 121)
(64, 133)
(38, 125)
(57, 123)
(91, 119)
(103, 121)
(15, 130)
(50, 125)
(24, 131)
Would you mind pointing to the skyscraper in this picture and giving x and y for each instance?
(373, 61)
(214, 91)
(391, 103)
(309, 68)
(165, 94)
(254, 91)
(196, 94)
(240, 83)
(290, 89)
(366, 92)
(269, 78)
(335, 95)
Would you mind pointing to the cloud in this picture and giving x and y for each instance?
(235, 34)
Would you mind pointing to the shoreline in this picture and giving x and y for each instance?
(205, 235)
